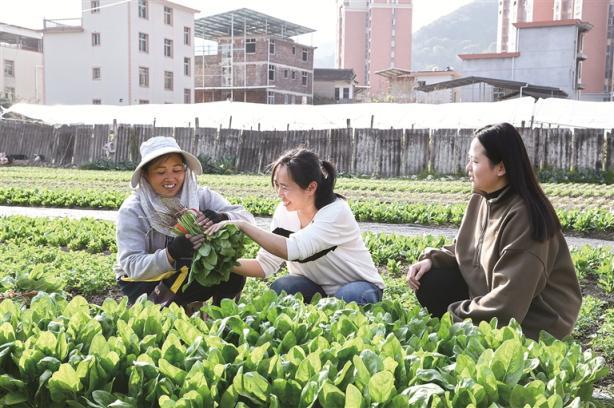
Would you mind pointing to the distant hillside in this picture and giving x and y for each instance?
(470, 29)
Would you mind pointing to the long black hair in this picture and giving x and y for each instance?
(304, 166)
(503, 143)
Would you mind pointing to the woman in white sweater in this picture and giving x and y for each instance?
(314, 232)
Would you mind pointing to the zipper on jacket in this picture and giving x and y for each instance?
(481, 240)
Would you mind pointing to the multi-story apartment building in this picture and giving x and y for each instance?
(21, 65)
(121, 53)
(372, 36)
(595, 79)
(254, 59)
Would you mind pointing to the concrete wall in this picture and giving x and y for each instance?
(547, 57)
(326, 89)
(28, 74)
(436, 97)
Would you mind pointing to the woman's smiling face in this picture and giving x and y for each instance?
(484, 175)
(292, 196)
(166, 175)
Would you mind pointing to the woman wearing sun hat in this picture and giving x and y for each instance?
(148, 252)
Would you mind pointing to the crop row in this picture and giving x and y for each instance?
(90, 179)
(559, 202)
(33, 255)
(582, 221)
(276, 351)
(96, 236)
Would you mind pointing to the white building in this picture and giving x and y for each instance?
(121, 53)
(548, 54)
(21, 65)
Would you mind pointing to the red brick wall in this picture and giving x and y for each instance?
(256, 71)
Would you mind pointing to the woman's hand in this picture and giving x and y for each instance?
(207, 218)
(416, 271)
(212, 229)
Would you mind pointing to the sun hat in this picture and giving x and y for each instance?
(159, 146)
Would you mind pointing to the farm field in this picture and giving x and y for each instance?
(407, 356)
(583, 208)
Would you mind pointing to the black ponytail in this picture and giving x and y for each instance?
(304, 166)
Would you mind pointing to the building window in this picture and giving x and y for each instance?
(305, 55)
(95, 39)
(143, 102)
(271, 72)
(346, 93)
(143, 9)
(95, 6)
(187, 66)
(272, 47)
(270, 99)
(293, 74)
(293, 50)
(250, 46)
(168, 80)
(143, 42)
(187, 35)
(304, 79)
(285, 73)
(187, 95)
(144, 77)
(286, 99)
(336, 93)
(96, 102)
(168, 48)
(9, 68)
(168, 15)
(96, 73)
(9, 93)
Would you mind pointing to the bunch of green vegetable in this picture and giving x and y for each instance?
(214, 259)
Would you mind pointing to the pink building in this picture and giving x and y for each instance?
(373, 35)
(596, 75)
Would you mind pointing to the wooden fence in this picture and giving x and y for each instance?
(374, 152)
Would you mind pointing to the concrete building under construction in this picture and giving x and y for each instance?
(255, 60)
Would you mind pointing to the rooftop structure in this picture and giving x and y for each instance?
(245, 21)
(255, 59)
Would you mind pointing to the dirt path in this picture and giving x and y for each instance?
(401, 229)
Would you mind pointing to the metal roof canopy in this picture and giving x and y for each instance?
(254, 23)
(527, 89)
(393, 72)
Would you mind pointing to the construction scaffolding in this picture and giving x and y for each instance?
(240, 62)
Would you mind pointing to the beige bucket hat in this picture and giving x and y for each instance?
(159, 146)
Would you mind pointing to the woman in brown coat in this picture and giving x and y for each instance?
(509, 259)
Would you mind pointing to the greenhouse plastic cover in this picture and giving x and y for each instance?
(239, 115)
